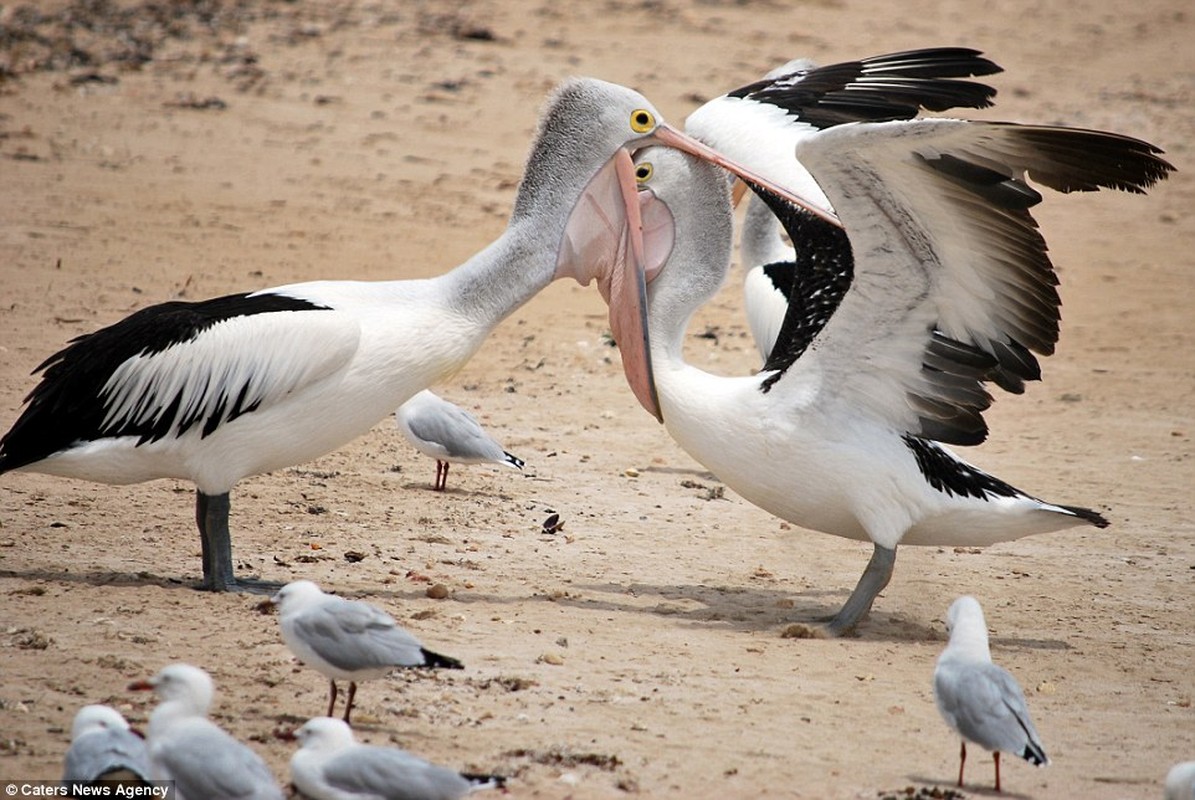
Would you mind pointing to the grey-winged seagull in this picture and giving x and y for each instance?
(204, 761)
(449, 434)
(347, 640)
(104, 749)
(331, 765)
(980, 700)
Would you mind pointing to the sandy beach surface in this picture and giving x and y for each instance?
(211, 147)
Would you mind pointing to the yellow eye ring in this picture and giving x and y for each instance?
(643, 172)
(642, 120)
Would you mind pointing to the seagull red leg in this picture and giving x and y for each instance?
(348, 707)
(332, 699)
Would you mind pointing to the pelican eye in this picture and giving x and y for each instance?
(642, 120)
(643, 172)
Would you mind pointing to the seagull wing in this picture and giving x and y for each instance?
(208, 762)
(987, 706)
(352, 635)
(392, 774)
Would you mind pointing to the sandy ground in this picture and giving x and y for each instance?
(638, 650)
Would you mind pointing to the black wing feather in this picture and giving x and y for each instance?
(66, 407)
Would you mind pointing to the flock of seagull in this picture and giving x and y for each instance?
(895, 274)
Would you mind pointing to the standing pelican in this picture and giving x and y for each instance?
(939, 283)
(217, 390)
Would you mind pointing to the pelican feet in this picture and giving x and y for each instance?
(875, 577)
(251, 585)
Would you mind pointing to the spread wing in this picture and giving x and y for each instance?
(941, 280)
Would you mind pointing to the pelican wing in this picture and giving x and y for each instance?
(945, 282)
(892, 86)
(177, 367)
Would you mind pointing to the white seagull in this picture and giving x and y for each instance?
(330, 765)
(1180, 782)
(939, 284)
(449, 434)
(104, 750)
(203, 760)
(348, 640)
(981, 701)
(875, 89)
(217, 390)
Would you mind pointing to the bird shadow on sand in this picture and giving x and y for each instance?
(454, 491)
(970, 790)
(747, 609)
(102, 578)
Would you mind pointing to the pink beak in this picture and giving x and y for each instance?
(603, 240)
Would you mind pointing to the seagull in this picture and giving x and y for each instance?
(939, 284)
(981, 701)
(202, 759)
(104, 750)
(1180, 782)
(448, 433)
(348, 640)
(875, 89)
(330, 765)
(217, 390)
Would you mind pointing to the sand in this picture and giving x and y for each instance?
(637, 650)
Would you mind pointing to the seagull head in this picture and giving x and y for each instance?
(93, 718)
(324, 734)
(296, 595)
(186, 686)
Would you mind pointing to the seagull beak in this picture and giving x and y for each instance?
(603, 240)
(141, 686)
(285, 735)
(671, 137)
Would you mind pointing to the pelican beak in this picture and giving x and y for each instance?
(603, 240)
(671, 137)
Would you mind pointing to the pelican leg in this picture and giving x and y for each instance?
(332, 698)
(875, 577)
(211, 515)
(348, 707)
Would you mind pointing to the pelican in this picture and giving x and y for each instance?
(938, 284)
(812, 98)
(217, 390)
